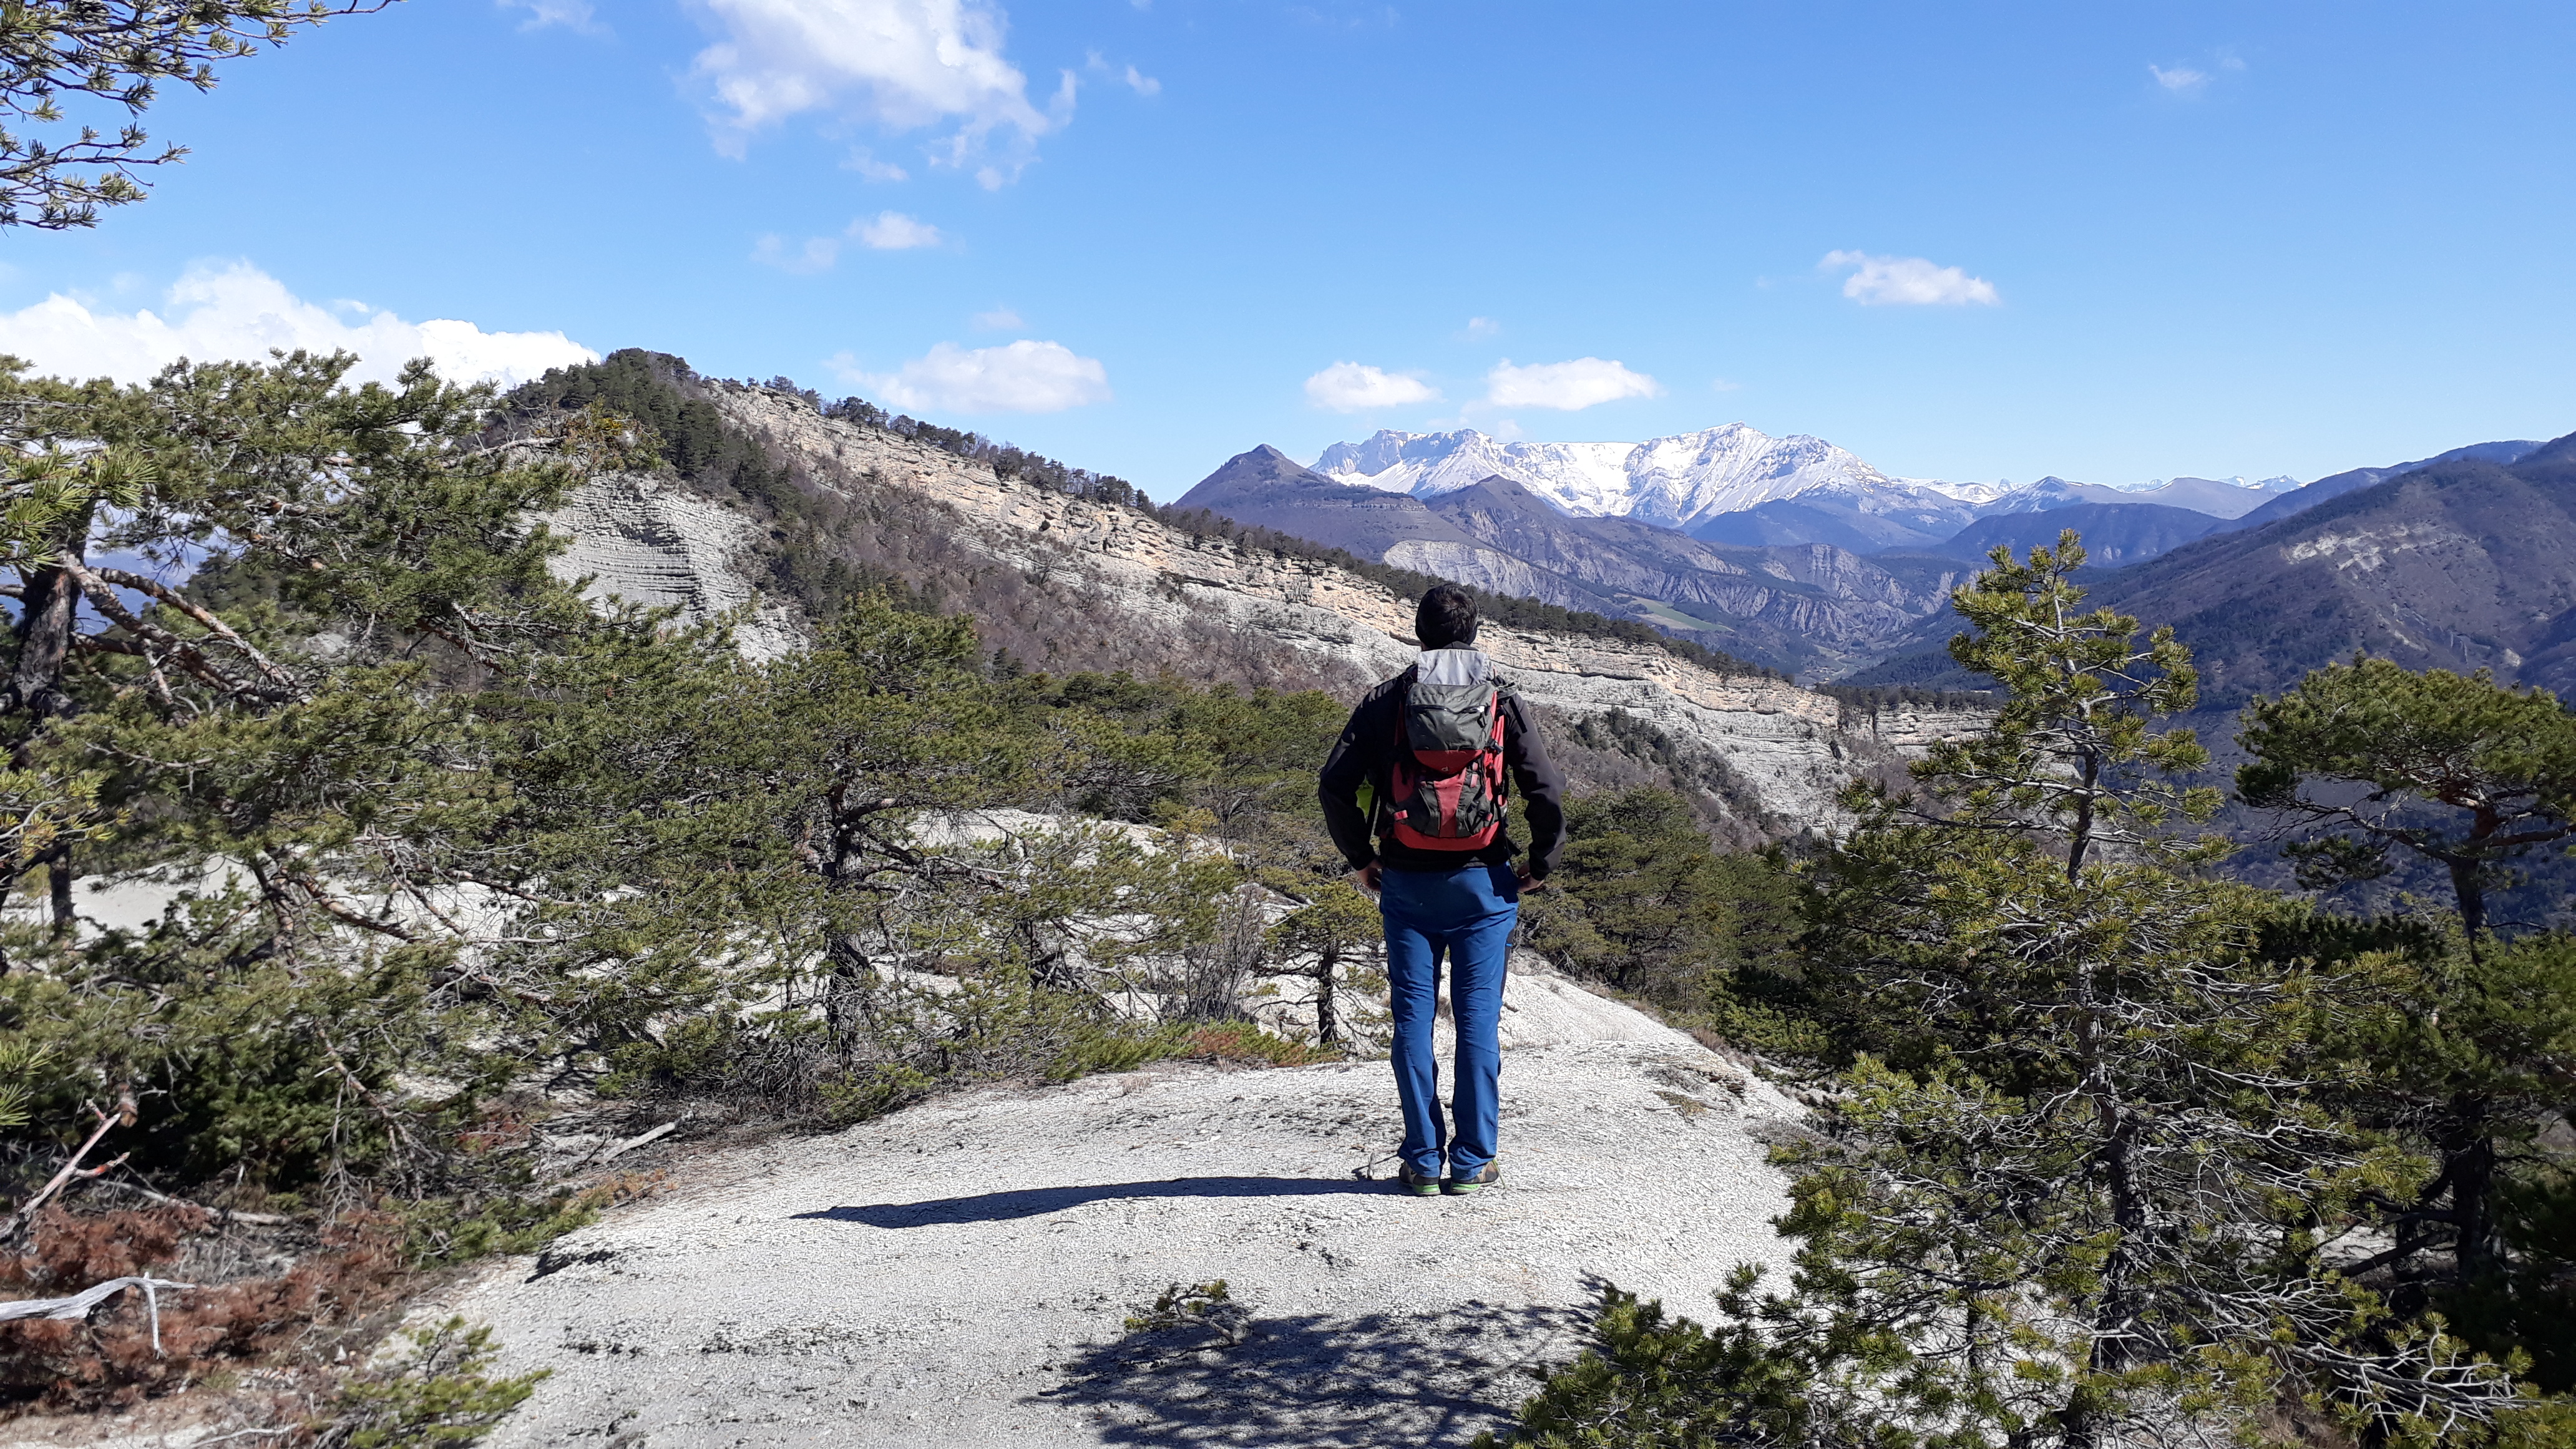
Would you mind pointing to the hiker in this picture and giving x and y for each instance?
(1436, 747)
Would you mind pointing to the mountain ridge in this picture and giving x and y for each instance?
(1796, 607)
(1154, 595)
(2461, 565)
(1690, 481)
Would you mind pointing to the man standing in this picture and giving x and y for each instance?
(1437, 747)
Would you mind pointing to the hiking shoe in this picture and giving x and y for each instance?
(1420, 1184)
(1491, 1175)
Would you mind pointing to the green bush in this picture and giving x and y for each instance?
(441, 1396)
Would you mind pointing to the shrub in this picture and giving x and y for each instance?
(441, 1394)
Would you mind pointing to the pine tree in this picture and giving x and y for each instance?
(2457, 769)
(117, 53)
(2086, 1195)
(2469, 775)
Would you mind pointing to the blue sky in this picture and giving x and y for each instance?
(2106, 242)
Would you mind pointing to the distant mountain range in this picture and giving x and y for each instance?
(1785, 550)
(1729, 485)
(1804, 606)
(2113, 533)
(1671, 482)
(2200, 495)
(2462, 562)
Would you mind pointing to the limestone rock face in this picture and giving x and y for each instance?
(1910, 729)
(655, 544)
(642, 540)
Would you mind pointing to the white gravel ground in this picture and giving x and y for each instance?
(959, 1274)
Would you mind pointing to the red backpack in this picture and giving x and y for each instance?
(1446, 788)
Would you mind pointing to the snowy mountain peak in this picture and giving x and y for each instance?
(1671, 481)
(1686, 479)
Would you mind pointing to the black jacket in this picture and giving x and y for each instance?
(1365, 754)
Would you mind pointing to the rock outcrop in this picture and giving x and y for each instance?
(637, 538)
(962, 1273)
(1124, 565)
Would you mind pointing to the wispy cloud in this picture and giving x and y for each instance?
(1356, 387)
(1019, 377)
(235, 311)
(870, 168)
(1908, 282)
(1478, 328)
(1136, 80)
(1000, 319)
(904, 65)
(1566, 386)
(2181, 80)
(816, 254)
(573, 15)
(887, 231)
(892, 231)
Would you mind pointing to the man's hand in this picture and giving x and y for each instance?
(1366, 877)
(1529, 882)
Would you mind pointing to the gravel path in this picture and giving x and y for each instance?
(959, 1274)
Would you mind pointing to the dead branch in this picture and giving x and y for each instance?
(181, 602)
(124, 1115)
(256, 1220)
(78, 1305)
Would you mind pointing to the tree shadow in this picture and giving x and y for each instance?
(1321, 1381)
(996, 1207)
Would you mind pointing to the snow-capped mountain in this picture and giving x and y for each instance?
(1971, 494)
(2231, 499)
(2280, 483)
(1587, 479)
(1691, 481)
(1673, 482)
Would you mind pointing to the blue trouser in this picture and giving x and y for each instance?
(1466, 914)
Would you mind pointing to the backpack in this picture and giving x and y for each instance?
(1445, 790)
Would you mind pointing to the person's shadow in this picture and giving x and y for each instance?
(996, 1207)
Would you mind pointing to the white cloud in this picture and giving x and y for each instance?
(817, 254)
(892, 231)
(1907, 282)
(1137, 81)
(1481, 327)
(1354, 387)
(902, 64)
(1000, 319)
(887, 231)
(872, 169)
(575, 15)
(2182, 79)
(1021, 377)
(238, 312)
(1566, 386)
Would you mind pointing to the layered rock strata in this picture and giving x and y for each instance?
(1780, 739)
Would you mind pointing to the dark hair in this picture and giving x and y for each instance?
(1446, 617)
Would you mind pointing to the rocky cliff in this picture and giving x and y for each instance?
(637, 539)
(1170, 599)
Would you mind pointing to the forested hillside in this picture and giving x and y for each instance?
(2463, 564)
